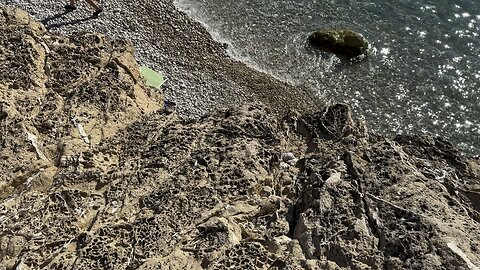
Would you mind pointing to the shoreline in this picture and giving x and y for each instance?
(98, 176)
(391, 104)
(196, 66)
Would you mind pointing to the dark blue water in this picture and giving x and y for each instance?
(422, 76)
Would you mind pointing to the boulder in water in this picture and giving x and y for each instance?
(342, 42)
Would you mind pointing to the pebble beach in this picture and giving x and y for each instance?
(201, 77)
(97, 173)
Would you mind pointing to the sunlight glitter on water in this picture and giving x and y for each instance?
(422, 75)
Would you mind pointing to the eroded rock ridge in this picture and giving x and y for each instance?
(96, 175)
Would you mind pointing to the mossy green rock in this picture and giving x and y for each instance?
(342, 42)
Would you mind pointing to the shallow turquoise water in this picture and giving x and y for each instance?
(423, 74)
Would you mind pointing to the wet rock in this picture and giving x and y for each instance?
(342, 42)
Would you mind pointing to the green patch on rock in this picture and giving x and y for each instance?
(152, 78)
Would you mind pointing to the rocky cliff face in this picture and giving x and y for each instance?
(95, 175)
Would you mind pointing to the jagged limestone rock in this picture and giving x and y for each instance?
(61, 95)
(342, 42)
(148, 190)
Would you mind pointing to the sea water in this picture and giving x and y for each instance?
(422, 74)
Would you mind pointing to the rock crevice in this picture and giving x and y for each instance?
(96, 175)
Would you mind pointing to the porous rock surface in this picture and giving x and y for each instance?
(96, 175)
